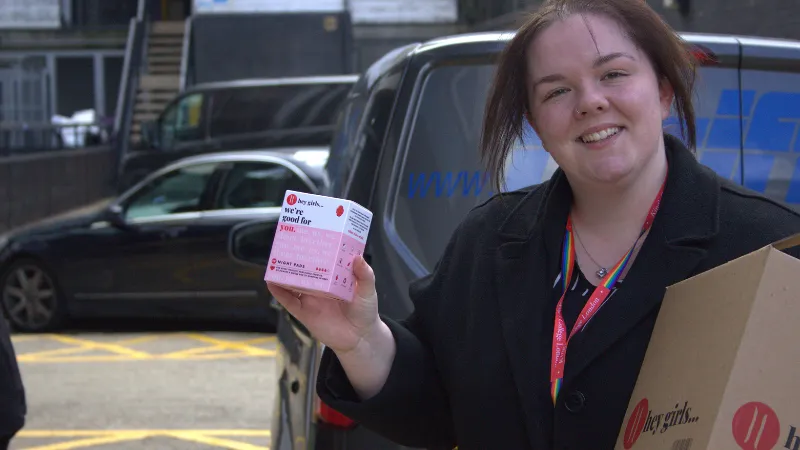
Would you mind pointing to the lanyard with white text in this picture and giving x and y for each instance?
(598, 297)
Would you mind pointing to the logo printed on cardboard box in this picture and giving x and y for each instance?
(636, 424)
(291, 199)
(756, 427)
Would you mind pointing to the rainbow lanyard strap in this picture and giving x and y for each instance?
(597, 299)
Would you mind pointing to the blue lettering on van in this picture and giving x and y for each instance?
(771, 123)
(465, 184)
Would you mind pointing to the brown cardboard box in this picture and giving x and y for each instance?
(722, 371)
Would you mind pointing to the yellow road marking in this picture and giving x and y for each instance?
(91, 438)
(216, 348)
(90, 442)
(231, 345)
(115, 358)
(84, 433)
(120, 351)
(93, 345)
(215, 441)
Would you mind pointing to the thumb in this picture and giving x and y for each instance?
(365, 277)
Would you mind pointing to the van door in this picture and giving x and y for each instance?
(771, 107)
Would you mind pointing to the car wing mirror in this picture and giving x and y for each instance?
(250, 242)
(115, 216)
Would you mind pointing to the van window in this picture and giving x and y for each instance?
(183, 121)
(265, 108)
(443, 177)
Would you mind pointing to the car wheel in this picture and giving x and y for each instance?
(30, 297)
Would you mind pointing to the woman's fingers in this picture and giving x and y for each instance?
(287, 298)
(365, 277)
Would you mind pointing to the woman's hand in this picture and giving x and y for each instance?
(339, 325)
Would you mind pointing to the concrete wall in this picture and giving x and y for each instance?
(371, 42)
(37, 186)
(765, 18)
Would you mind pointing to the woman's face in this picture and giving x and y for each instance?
(595, 100)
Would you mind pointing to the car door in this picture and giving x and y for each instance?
(248, 189)
(150, 253)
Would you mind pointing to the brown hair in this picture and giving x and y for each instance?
(507, 103)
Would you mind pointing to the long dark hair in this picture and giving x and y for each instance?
(507, 103)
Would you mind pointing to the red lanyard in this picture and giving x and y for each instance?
(597, 299)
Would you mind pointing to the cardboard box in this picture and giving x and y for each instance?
(315, 244)
(722, 370)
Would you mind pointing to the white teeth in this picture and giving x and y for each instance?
(600, 135)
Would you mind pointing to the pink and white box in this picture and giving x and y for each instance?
(315, 244)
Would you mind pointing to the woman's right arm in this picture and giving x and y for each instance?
(380, 372)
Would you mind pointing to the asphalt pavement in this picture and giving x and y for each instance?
(210, 387)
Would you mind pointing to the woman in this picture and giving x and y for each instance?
(480, 363)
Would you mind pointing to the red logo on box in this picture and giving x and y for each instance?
(635, 424)
(756, 427)
(274, 260)
(339, 211)
(291, 199)
(271, 267)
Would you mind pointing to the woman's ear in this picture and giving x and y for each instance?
(666, 96)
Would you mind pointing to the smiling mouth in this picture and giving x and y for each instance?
(600, 135)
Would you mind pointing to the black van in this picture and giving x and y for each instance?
(239, 115)
(406, 147)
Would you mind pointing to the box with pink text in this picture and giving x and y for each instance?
(315, 244)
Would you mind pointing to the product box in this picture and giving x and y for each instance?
(315, 243)
(722, 370)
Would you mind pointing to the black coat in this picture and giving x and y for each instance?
(12, 394)
(473, 360)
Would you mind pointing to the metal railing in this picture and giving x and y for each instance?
(135, 54)
(17, 138)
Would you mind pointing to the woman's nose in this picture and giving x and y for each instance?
(590, 101)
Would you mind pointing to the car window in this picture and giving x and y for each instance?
(183, 121)
(257, 185)
(264, 108)
(180, 190)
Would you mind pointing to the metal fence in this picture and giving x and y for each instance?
(17, 138)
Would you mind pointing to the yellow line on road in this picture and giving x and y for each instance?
(90, 442)
(92, 345)
(120, 358)
(84, 433)
(216, 348)
(215, 441)
(91, 438)
(231, 345)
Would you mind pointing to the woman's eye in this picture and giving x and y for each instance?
(554, 93)
(614, 74)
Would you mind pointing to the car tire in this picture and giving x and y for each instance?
(30, 297)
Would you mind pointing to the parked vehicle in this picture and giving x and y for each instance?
(159, 249)
(406, 148)
(237, 115)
